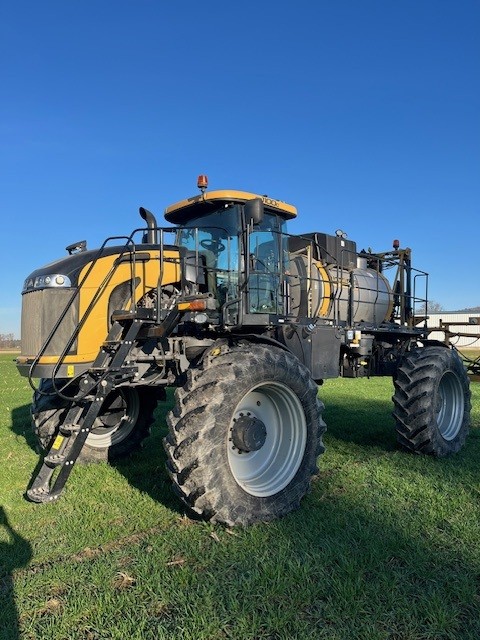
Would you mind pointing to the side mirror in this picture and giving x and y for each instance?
(76, 247)
(253, 210)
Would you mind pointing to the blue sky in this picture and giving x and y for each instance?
(364, 114)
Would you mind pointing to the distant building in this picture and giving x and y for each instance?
(465, 327)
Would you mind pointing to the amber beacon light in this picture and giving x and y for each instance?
(202, 182)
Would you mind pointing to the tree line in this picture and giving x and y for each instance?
(8, 341)
(435, 307)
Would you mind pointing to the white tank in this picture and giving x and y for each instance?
(317, 290)
(372, 297)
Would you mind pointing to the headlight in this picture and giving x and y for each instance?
(50, 280)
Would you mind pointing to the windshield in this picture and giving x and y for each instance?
(216, 233)
(215, 237)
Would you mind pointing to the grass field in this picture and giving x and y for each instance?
(386, 546)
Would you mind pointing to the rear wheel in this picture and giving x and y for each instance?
(245, 435)
(432, 401)
(123, 422)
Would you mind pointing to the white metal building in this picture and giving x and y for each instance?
(468, 327)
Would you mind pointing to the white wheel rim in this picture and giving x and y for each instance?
(267, 471)
(450, 408)
(103, 436)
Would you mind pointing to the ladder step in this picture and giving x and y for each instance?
(142, 313)
(65, 448)
(108, 370)
(123, 373)
(111, 345)
(68, 429)
(54, 459)
(42, 495)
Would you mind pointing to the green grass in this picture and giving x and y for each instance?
(386, 546)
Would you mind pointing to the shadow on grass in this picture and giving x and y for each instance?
(14, 554)
(145, 469)
(22, 425)
(367, 423)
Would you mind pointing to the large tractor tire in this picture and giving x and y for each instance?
(432, 401)
(123, 422)
(245, 435)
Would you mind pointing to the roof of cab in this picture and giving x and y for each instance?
(210, 200)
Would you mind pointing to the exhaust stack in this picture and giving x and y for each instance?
(152, 235)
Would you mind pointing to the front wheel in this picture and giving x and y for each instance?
(121, 426)
(432, 401)
(245, 435)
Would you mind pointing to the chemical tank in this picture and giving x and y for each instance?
(327, 291)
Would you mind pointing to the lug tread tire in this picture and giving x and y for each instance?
(416, 395)
(196, 445)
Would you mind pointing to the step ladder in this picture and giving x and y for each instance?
(109, 369)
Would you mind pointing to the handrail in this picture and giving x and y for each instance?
(129, 246)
